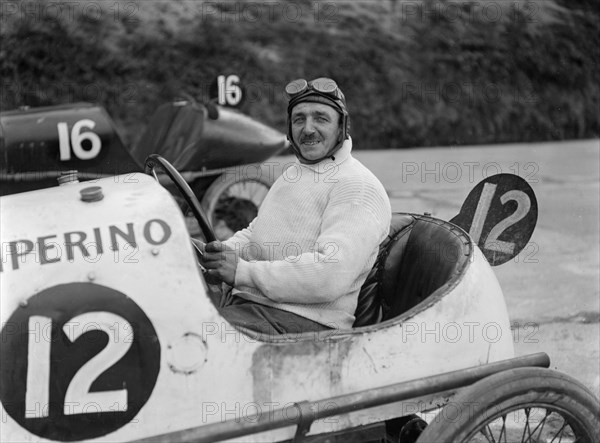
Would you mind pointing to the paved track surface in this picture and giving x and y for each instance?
(552, 288)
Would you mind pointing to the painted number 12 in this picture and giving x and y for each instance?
(485, 200)
(78, 395)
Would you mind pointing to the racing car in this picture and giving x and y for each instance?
(109, 332)
(215, 146)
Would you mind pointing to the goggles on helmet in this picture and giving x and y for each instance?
(321, 85)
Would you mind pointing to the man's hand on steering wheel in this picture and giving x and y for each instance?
(220, 261)
(152, 162)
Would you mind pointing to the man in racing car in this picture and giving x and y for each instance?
(301, 262)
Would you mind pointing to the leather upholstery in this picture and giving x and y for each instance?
(420, 255)
(368, 310)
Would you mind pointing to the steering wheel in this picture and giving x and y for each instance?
(155, 160)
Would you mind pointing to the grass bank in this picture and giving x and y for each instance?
(415, 73)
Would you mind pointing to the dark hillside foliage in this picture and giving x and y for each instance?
(415, 73)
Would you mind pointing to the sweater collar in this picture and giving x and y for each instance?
(338, 157)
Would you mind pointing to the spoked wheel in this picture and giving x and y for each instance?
(532, 405)
(232, 201)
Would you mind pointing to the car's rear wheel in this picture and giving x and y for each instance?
(531, 405)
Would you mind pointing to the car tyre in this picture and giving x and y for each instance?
(252, 189)
(522, 404)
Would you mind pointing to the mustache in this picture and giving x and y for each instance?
(309, 139)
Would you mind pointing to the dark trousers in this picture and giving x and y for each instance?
(266, 319)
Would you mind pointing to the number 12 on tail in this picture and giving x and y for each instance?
(499, 214)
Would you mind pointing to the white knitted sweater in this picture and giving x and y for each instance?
(315, 239)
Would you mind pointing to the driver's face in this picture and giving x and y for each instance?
(315, 129)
